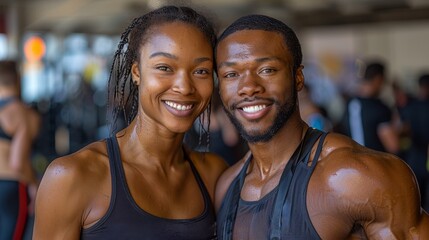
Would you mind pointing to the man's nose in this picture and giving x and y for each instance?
(249, 85)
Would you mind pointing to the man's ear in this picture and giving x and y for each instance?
(135, 73)
(299, 78)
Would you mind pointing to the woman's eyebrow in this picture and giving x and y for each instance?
(168, 55)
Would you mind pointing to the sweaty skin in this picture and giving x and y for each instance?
(175, 85)
(354, 192)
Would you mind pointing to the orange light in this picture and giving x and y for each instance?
(34, 48)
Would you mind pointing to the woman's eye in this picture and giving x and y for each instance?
(202, 71)
(163, 68)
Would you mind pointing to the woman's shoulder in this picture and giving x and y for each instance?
(80, 167)
(209, 166)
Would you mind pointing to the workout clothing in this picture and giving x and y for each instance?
(263, 219)
(13, 209)
(416, 115)
(126, 220)
(3, 103)
(362, 118)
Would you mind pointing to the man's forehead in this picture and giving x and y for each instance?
(246, 43)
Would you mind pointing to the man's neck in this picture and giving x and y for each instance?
(271, 156)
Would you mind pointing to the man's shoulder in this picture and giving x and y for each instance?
(368, 186)
(343, 162)
(227, 178)
(341, 152)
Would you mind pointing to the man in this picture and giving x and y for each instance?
(416, 118)
(295, 183)
(367, 120)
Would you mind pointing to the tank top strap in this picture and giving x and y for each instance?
(305, 147)
(232, 199)
(318, 150)
(114, 159)
(200, 181)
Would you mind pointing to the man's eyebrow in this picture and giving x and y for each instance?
(259, 60)
(266, 59)
(226, 64)
(168, 55)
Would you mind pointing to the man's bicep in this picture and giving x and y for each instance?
(397, 205)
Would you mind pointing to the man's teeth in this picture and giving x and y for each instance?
(177, 106)
(253, 109)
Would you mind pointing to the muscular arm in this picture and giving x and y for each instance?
(388, 137)
(60, 202)
(357, 192)
(21, 124)
(396, 205)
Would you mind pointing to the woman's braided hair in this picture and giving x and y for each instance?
(122, 92)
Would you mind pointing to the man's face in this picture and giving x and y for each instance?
(257, 83)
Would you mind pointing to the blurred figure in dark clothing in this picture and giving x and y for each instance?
(416, 119)
(367, 119)
(224, 138)
(19, 126)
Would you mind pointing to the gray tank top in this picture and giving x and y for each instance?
(240, 219)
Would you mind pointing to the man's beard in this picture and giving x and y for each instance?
(283, 115)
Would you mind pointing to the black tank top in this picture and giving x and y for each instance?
(126, 220)
(240, 219)
(4, 102)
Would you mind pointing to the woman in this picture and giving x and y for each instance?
(142, 183)
(19, 126)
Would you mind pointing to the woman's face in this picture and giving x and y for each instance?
(175, 76)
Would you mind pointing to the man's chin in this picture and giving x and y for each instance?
(256, 137)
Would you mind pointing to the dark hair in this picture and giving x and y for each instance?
(9, 75)
(372, 70)
(424, 80)
(122, 92)
(261, 22)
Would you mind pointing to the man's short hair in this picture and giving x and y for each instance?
(373, 70)
(262, 22)
(424, 80)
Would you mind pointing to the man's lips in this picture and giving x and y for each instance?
(254, 108)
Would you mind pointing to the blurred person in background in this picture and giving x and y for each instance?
(142, 182)
(416, 119)
(311, 113)
(368, 120)
(224, 138)
(19, 126)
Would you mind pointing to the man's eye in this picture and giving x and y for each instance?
(267, 70)
(229, 75)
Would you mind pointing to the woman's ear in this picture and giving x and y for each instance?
(135, 73)
(299, 78)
